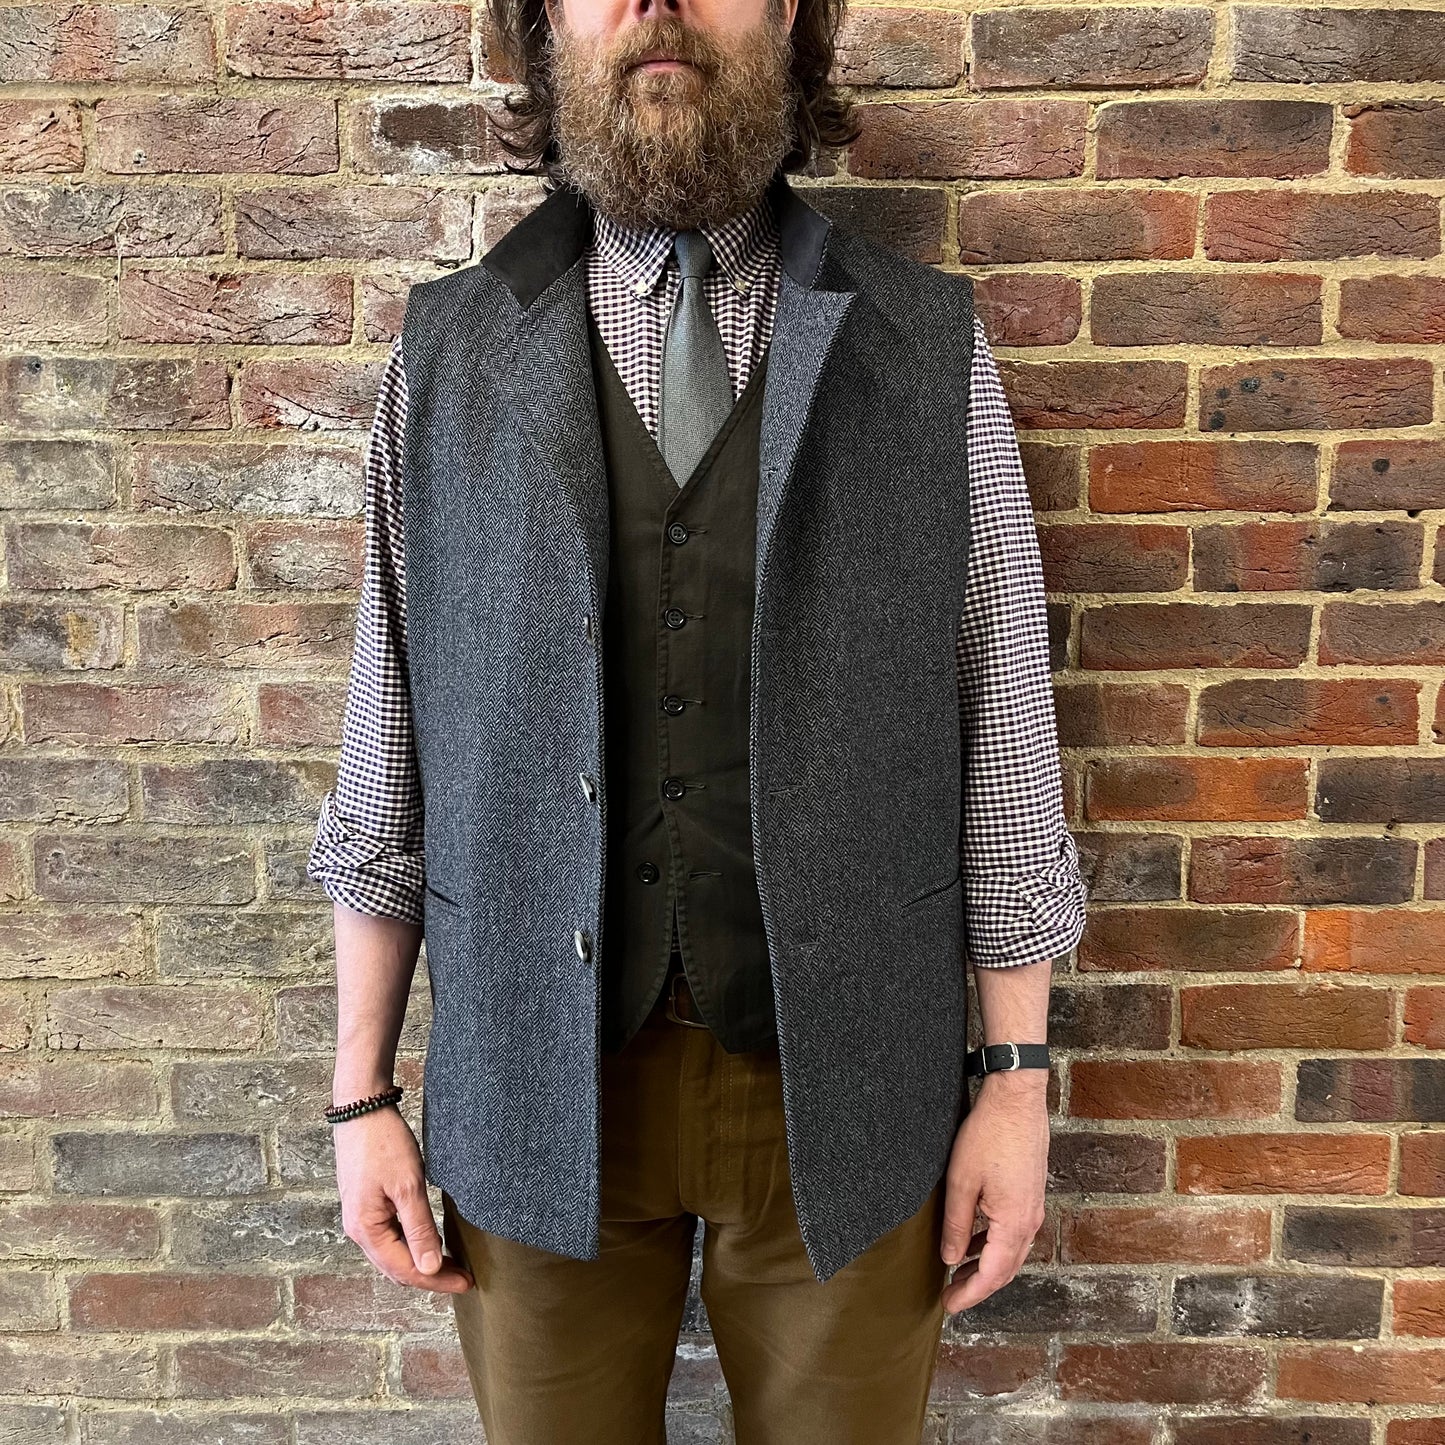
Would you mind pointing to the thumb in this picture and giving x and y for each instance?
(413, 1212)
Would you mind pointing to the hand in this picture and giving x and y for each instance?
(998, 1168)
(384, 1205)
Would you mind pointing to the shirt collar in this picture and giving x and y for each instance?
(743, 245)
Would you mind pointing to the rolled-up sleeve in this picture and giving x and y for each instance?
(367, 852)
(1024, 890)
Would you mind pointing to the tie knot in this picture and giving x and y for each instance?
(694, 255)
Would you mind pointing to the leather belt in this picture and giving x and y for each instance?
(679, 1004)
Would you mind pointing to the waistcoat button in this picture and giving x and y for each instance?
(673, 787)
(588, 787)
(676, 532)
(675, 617)
(673, 703)
(584, 945)
(649, 872)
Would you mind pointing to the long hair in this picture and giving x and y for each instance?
(823, 117)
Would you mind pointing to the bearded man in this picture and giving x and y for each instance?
(701, 721)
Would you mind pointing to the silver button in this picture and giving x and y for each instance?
(588, 786)
(584, 945)
(587, 625)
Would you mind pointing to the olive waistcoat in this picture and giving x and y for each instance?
(675, 636)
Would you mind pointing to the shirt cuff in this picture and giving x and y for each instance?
(1025, 917)
(363, 871)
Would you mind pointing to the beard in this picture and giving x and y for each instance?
(678, 148)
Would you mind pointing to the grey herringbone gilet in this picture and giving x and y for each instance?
(854, 745)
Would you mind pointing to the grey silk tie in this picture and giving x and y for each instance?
(697, 394)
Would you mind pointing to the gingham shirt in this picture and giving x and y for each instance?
(1024, 893)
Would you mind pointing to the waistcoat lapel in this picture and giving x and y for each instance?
(813, 301)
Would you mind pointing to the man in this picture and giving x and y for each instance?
(715, 630)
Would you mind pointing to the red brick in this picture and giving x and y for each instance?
(1166, 1234)
(173, 1301)
(1284, 1164)
(1193, 789)
(1023, 139)
(1391, 940)
(1366, 1376)
(1228, 1017)
(1159, 1372)
(1173, 1089)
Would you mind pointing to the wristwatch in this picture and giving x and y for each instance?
(993, 1058)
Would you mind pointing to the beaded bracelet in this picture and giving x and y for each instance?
(336, 1113)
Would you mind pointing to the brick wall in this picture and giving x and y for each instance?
(1206, 242)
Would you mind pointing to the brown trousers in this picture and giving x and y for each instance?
(561, 1350)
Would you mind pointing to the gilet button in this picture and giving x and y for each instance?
(676, 532)
(673, 787)
(649, 872)
(584, 945)
(672, 703)
(675, 617)
(588, 786)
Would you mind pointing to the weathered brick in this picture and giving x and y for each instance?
(1114, 557)
(138, 44)
(1380, 1376)
(910, 219)
(396, 135)
(1165, 1234)
(909, 48)
(1169, 138)
(291, 479)
(1401, 139)
(41, 136)
(1101, 394)
(38, 307)
(300, 714)
(1417, 1430)
(1371, 1091)
(1404, 309)
(1097, 1163)
(1128, 46)
(1425, 1018)
(109, 221)
(245, 635)
(179, 712)
(1389, 632)
(1078, 224)
(1136, 308)
(435, 1371)
(1419, 1308)
(248, 1090)
(1378, 789)
(339, 40)
(361, 223)
(1098, 714)
(1284, 1164)
(56, 1365)
(350, 1302)
(1192, 939)
(161, 134)
(1282, 1306)
(170, 1300)
(1194, 634)
(1172, 1089)
(57, 473)
(312, 395)
(306, 1017)
(974, 1371)
(112, 1162)
(1169, 476)
(1371, 1238)
(304, 556)
(27, 1301)
(136, 1016)
(69, 393)
(151, 558)
(1301, 871)
(294, 1232)
(1306, 556)
(1196, 788)
(335, 1369)
(190, 1427)
(1132, 1016)
(183, 869)
(1300, 393)
(63, 790)
(234, 791)
(1309, 712)
(946, 139)
(59, 636)
(1036, 309)
(1270, 1430)
(1161, 1372)
(1295, 226)
(1301, 46)
(1282, 1016)
(377, 1425)
(41, 1088)
(250, 944)
(70, 1229)
(256, 308)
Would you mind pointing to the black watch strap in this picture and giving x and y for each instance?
(995, 1057)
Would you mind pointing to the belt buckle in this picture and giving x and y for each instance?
(671, 1006)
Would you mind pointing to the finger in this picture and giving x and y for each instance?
(960, 1205)
(386, 1247)
(413, 1210)
(997, 1264)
